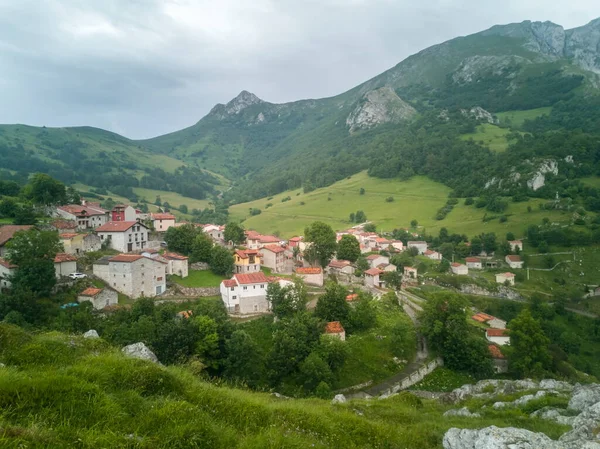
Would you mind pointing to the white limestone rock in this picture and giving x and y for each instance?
(495, 438)
(377, 107)
(139, 351)
(464, 412)
(538, 180)
(480, 114)
(339, 399)
(91, 334)
(553, 414)
(584, 396)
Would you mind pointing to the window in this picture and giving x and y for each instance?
(245, 288)
(254, 287)
(262, 285)
(232, 288)
(234, 297)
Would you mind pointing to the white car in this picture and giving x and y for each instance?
(78, 275)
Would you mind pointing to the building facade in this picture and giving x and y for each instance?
(245, 294)
(133, 275)
(124, 236)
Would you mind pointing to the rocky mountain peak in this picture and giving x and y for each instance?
(237, 105)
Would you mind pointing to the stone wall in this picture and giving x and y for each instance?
(192, 292)
(413, 378)
(200, 266)
(503, 292)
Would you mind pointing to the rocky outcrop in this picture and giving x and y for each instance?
(377, 107)
(583, 396)
(339, 399)
(244, 100)
(464, 412)
(474, 67)
(139, 351)
(538, 179)
(91, 334)
(554, 414)
(480, 114)
(501, 292)
(496, 438)
(191, 292)
(490, 388)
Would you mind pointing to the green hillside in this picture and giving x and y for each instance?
(63, 391)
(418, 198)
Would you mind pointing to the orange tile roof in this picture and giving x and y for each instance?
(7, 264)
(251, 278)
(456, 264)
(373, 272)
(64, 257)
(339, 263)
(308, 270)
(76, 209)
(472, 259)
(90, 291)
(68, 235)
(268, 239)
(352, 297)
(64, 224)
(117, 226)
(8, 231)
(496, 332)
(230, 283)
(185, 313)
(174, 256)
(296, 239)
(274, 248)
(162, 216)
(126, 258)
(374, 256)
(479, 318)
(409, 269)
(495, 352)
(508, 275)
(334, 327)
(514, 258)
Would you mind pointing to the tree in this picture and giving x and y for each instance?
(505, 248)
(476, 246)
(362, 265)
(348, 248)
(370, 227)
(243, 358)
(323, 241)
(462, 250)
(45, 190)
(363, 316)
(510, 236)
(489, 242)
(221, 261)
(393, 279)
(447, 250)
(202, 248)
(313, 371)
(360, 216)
(529, 355)
(181, 239)
(361, 191)
(207, 344)
(183, 208)
(25, 215)
(332, 305)
(414, 224)
(8, 207)
(33, 252)
(352, 217)
(287, 301)
(234, 233)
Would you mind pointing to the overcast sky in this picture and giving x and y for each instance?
(146, 67)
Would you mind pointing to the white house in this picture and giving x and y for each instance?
(133, 274)
(433, 255)
(514, 261)
(340, 267)
(497, 336)
(7, 232)
(501, 278)
(87, 217)
(397, 245)
(372, 277)
(124, 236)
(64, 264)
(7, 270)
(246, 293)
(80, 243)
(474, 263)
(459, 268)
(274, 258)
(410, 273)
(311, 275)
(420, 245)
(387, 267)
(216, 232)
(176, 264)
(99, 297)
(162, 222)
(335, 329)
(382, 243)
(375, 260)
(514, 244)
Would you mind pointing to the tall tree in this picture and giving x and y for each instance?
(234, 233)
(243, 358)
(348, 248)
(332, 305)
(202, 248)
(181, 239)
(221, 261)
(45, 190)
(287, 301)
(528, 354)
(323, 241)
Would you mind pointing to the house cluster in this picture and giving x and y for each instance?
(371, 241)
(497, 335)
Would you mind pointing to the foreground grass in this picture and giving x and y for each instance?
(443, 379)
(197, 278)
(61, 391)
(418, 198)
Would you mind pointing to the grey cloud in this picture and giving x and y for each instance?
(145, 67)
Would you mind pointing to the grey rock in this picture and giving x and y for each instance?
(553, 414)
(339, 399)
(2, 365)
(464, 412)
(480, 114)
(377, 107)
(584, 396)
(91, 334)
(279, 395)
(139, 351)
(495, 438)
(551, 384)
(585, 426)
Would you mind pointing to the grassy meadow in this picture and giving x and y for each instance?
(418, 198)
(491, 136)
(517, 118)
(197, 278)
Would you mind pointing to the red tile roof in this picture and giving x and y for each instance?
(274, 248)
(496, 332)
(268, 239)
(374, 256)
(230, 283)
(63, 257)
(117, 226)
(334, 327)
(472, 259)
(308, 270)
(251, 278)
(185, 314)
(514, 258)
(296, 239)
(508, 275)
(482, 317)
(76, 209)
(417, 242)
(428, 252)
(90, 291)
(352, 297)
(64, 224)
(126, 258)
(339, 263)
(495, 352)
(382, 240)
(479, 318)
(244, 253)
(456, 264)
(174, 256)
(68, 235)
(7, 264)
(8, 231)
(162, 216)
(373, 272)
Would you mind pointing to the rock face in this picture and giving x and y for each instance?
(496, 438)
(244, 100)
(139, 351)
(584, 396)
(491, 388)
(338, 399)
(539, 177)
(91, 334)
(480, 114)
(377, 107)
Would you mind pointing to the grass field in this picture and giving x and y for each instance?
(173, 198)
(418, 198)
(517, 118)
(198, 278)
(592, 181)
(491, 136)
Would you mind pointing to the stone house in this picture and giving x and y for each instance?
(247, 261)
(311, 275)
(433, 255)
(7, 232)
(497, 336)
(274, 258)
(80, 243)
(514, 261)
(382, 243)
(335, 329)
(498, 359)
(124, 236)
(501, 278)
(64, 264)
(410, 273)
(246, 294)
(133, 274)
(375, 260)
(123, 212)
(372, 277)
(215, 232)
(387, 267)
(85, 216)
(474, 263)
(162, 221)
(397, 245)
(459, 269)
(99, 297)
(177, 264)
(419, 244)
(515, 244)
(340, 267)
(7, 270)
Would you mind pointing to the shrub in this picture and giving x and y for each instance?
(469, 201)
(254, 211)
(287, 198)
(503, 219)
(389, 199)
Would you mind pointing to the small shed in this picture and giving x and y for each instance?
(335, 329)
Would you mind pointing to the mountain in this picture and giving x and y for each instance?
(396, 124)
